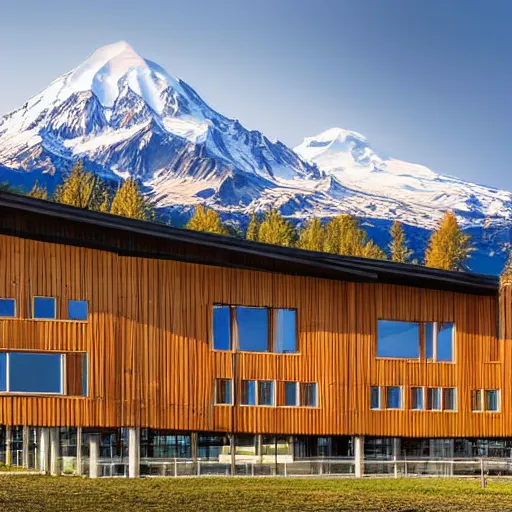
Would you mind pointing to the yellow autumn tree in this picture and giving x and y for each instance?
(253, 228)
(275, 229)
(312, 235)
(449, 247)
(398, 248)
(207, 220)
(506, 274)
(129, 201)
(38, 192)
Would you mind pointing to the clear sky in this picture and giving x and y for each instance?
(425, 81)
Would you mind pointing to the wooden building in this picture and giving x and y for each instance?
(110, 324)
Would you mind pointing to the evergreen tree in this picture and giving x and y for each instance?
(275, 229)
(398, 245)
(312, 235)
(449, 247)
(128, 201)
(39, 192)
(344, 236)
(205, 219)
(253, 228)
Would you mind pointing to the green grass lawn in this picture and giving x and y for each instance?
(41, 493)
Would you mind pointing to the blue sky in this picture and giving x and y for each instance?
(425, 81)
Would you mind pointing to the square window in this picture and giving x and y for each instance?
(78, 310)
(35, 372)
(286, 331)
(394, 397)
(266, 392)
(45, 308)
(7, 308)
(449, 399)
(223, 394)
(308, 394)
(491, 400)
(290, 393)
(417, 401)
(248, 392)
(374, 397)
(476, 400)
(221, 327)
(434, 399)
(252, 326)
(398, 339)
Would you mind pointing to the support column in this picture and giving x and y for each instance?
(397, 443)
(133, 452)
(8, 454)
(78, 470)
(359, 456)
(25, 446)
(259, 447)
(43, 449)
(194, 445)
(232, 443)
(54, 451)
(451, 454)
(94, 455)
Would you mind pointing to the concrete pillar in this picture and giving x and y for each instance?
(359, 456)
(396, 446)
(232, 442)
(194, 445)
(54, 451)
(94, 455)
(78, 470)
(451, 454)
(259, 447)
(43, 447)
(25, 446)
(134, 452)
(8, 454)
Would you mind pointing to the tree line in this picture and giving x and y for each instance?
(449, 247)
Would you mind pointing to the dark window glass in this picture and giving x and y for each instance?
(476, 400)
(3, 371)
(394, 397)
(417, 399)
(398, 339)
(286, 331)
(290, 393)
(45, 307)
(223, 391)
(445, 341)
(491, 400)
(266, 392)
(375, 397)
(35, 373)
(252, 329)
(434, 399)
(429, 340)
(7, 308)
(78, 310)
(221, 328)
(449, 399)
(248, 392)
(308, 395)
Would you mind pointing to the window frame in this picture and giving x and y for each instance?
(482, 403)
(398, 358)
(297, 393)
(435, 342)
(255, 392)
(44, 319)
(317, 395)
(77, 319)
(273, 393)
(15, 315)
(216, 392)
(274, 312)
(455, 399)
(379, 398)
(400, 398)
(423, 402)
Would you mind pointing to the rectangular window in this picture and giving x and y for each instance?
(290, 394)
(266, 392)
(308, 394)
(491, 400)
(45, 308)
(449, 397)
(394, 397)
(78, 310)
(439, 338)
(223, 395)
(285, 331)
(221, 327)
(7, 308)
(35, 372)
(398, 339)
(417, 402)
(374, 397)
(252, 326)
(434, 399)
(3, 371)
(476, 400)
(248, 392)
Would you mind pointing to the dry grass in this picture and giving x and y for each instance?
(39, 493)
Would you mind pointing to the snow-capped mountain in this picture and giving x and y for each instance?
(123, 115)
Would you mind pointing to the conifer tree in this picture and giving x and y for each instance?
(253, 228)
(398, 246)
(312, 235)
(344, 236)
(506, 274)
(372, 250)
(275, 229)
(207, 220)
(449, 247)
(39, 191)
(129, 201)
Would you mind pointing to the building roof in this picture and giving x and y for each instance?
(49, 221)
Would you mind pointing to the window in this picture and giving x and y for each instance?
(308, 394)
(3, 371)
(434, 399)
(398, 339)
(286, 331)
(476, 400)
(248, 392)
(7, 308)
(374, 397)
(45, 308)
(266, 392)
(394, 397)
(221, 327)
(449, 399)
(491, 400)
(290, 393)
(78, 310)
(223, 394)
(487, 400)
(35, 372)
(252, 329)
(439, 341)
(417, 401)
